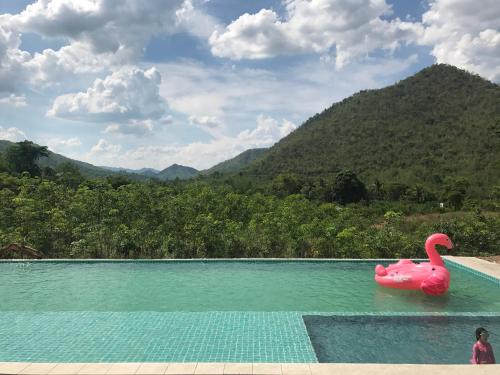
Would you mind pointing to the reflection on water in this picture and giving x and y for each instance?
(23, 266)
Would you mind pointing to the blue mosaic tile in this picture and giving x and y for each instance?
(154, 337)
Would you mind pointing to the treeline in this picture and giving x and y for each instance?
(195, 220)
(64, 215)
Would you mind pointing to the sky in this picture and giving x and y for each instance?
(146, 84)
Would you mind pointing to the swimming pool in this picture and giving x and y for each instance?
(195, 311)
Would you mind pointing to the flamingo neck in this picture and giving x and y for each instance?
(430, 249)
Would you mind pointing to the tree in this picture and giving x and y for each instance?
(455, 191)
(348, 188)
(4, 166)
(69, 174)
(286, 184)
(22, 157)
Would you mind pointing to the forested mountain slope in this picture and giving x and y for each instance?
(441, 122)
(238, 162)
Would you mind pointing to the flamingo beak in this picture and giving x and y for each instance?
(449, 245)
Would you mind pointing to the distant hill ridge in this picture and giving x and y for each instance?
(177, 171)
(440, 122)
(238, 162)
(54, 160)
(91, 171)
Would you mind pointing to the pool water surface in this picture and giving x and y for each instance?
(195, 311)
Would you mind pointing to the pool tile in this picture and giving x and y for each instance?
(106, 337)
(266, 369)
(149, 368)
(12, 367)
(181, 368)
(209, 368)
(238, 368)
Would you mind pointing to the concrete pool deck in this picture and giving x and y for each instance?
(24, 368)
(489, 268)
(147, 368)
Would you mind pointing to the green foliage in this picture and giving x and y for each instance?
(68, 174)
(237, 163)
(348, 188)
(455, 191)
(22, 157)
(286, 184)
(122, 219)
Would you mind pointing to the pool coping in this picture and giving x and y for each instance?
(148, 368)
(479, 267)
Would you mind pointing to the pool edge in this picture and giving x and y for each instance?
(47, 368)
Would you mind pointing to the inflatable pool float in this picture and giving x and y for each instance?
(430, 277)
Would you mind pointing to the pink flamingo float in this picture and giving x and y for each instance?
(430, 277)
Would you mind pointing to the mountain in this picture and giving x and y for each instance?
(86, 169)
(92, 171)
(441, 122)
(177, 171)
(148, 172)
(235, 164)
(54, 160)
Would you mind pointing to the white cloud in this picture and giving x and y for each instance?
(200, 155)
(120, 27)
(205, 121)
(14, 100)
(267, 132)
(133, 127)
(465, 34)
(191, 19)
(128, 95)
(102, 36)
(235, 96)
(63, 145)
(104, 147)
(354, 28)
(12, 134)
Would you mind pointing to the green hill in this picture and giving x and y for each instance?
(86, 169)
(235, 164)
(440, 122)
(177, 171)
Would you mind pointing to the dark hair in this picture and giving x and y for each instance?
(479, 331)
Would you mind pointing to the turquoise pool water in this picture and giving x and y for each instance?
(226, 286)
(398, 339)
(199, 311)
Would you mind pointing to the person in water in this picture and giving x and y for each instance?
(482, 352)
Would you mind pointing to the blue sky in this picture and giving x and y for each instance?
(147, 84)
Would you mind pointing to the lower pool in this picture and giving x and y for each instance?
(195, 311)
(397, 339)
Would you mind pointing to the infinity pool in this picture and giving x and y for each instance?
(192, 311)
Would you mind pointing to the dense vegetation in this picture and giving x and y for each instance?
(237, 163)
(439, 125)
(66, 215)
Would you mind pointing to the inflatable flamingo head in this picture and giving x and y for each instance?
(439, 239)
